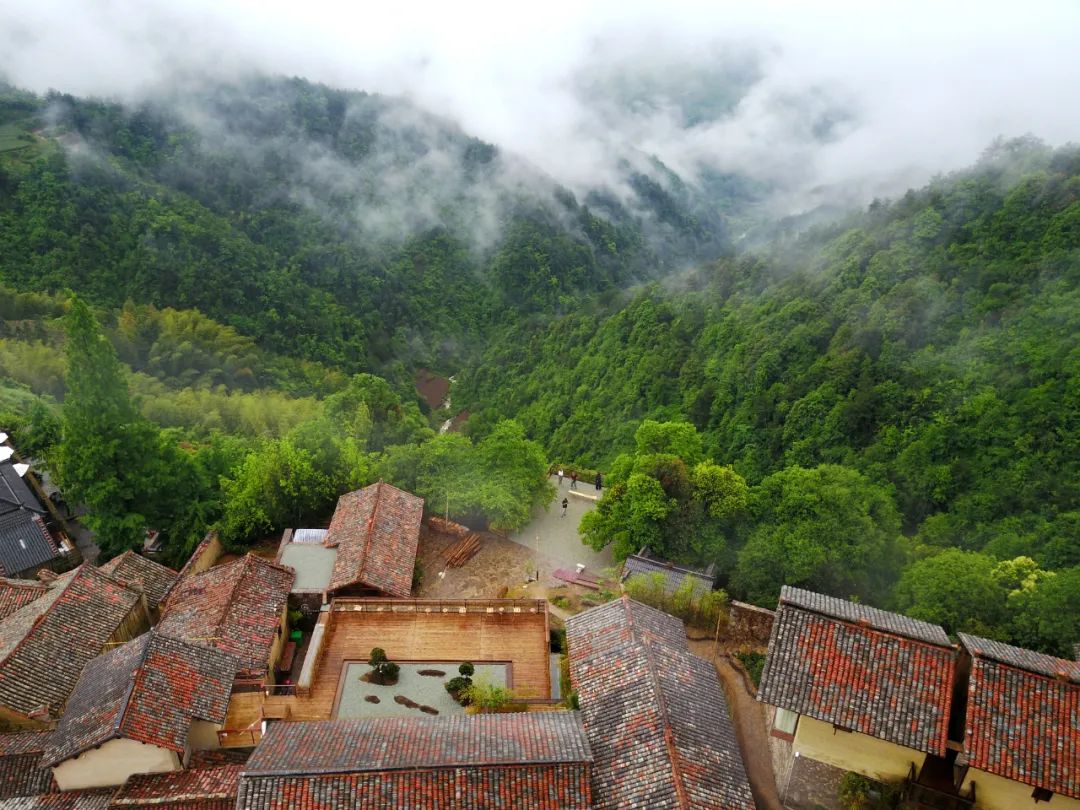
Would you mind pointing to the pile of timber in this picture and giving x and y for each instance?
(462, 551)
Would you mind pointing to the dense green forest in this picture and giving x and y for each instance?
(898, 385)
(225, 296)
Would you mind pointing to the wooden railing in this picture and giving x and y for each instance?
(495, 606)
(239, 737)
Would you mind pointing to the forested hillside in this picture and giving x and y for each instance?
(916, 369)
(224, 294)
(325, 224)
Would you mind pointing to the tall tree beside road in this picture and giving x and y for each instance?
(109, 457)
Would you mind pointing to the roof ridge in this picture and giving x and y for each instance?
(45, 533)
(864, 622)
(669, 735)
(136, 676)
(27, 584)
(370, 531)
(977, 646)
(263, 561)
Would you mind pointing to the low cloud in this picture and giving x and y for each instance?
(816, 102)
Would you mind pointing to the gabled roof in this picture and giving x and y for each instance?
(148, 690)
(674, 575)
(14, 492)
(376, 531)
(21, 772)
(860, 668)
(1023, 716)
(533, 760)
(14, 593)
(236, 607)
(45, 644)
(137, 571)
(192, 789)
(25, 543)
(657, 720)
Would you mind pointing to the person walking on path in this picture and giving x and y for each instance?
(565, 503)
(599, 481)
(573, 480)
(560, 476)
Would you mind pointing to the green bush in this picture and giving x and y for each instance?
(754, 663)
(695, 606)
(457, 687)
(857, 792)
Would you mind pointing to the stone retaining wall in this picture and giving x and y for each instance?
(750, 624)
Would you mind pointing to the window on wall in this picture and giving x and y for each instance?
(785, 721)
(1042, 794)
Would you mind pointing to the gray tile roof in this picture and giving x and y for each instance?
(840, 665)
(842, 609)
(21, 773)
(45, 644)
(148, 690)
(237, 604)
(135, 570)
(15, 493)
(389, 743)
(656, 717)
(531, 761)
(15, 593)
(25, 543)
(376, 531)
(674, 576)
(1023, 716)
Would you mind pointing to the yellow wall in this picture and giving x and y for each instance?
(203, 736)
(853, 751)
(994, 793)
(112, 764)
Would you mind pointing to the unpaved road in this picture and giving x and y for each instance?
(748, 717)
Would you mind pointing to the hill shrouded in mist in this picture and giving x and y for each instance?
(324, 223)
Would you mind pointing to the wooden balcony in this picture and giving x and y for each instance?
(920, 796)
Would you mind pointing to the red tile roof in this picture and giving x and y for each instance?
(193, 789)
(21, 773)
(135, 570)
(14, 593)
(1023, 716)
(531, 761)
(236, 607)
(657, 720)
(149, 690)
(45, 644)
(376, 531)
(860, 668)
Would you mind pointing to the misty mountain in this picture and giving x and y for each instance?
(264, 202)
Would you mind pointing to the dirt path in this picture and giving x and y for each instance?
(748, 717)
